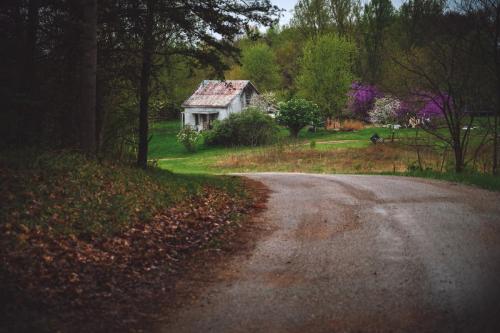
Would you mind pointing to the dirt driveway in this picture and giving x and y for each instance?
(361, 254)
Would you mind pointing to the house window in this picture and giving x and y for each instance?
(214, 116)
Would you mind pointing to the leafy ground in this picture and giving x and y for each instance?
(96, 246)
(323, 152)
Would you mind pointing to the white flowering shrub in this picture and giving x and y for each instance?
(384, 110)
(188, 137)
(267, 101)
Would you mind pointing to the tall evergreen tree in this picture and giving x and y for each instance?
(88, 72)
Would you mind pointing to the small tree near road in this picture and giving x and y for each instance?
(297, 113)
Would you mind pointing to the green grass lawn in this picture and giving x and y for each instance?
(334, 152)
(164, 144)
(172, 156)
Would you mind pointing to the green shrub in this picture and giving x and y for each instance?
(188, 137)
(296, 113)
(250, 127)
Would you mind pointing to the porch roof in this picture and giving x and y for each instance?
(207, 111)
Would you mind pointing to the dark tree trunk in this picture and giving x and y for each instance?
(100, 115)
(68, 84)
(496, 147)
(496, 54)
(33, 121)
(33, 18)
(459, 158)
(496, 124)
(88, 70)
(147, 55)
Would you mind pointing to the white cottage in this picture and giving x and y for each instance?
(216, 100)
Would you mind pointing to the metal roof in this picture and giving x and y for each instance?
(216, 94)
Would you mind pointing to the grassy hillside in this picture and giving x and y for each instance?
(90, 197)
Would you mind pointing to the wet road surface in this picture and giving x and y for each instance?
(361, 254)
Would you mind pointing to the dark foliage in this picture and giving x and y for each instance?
(47, 70)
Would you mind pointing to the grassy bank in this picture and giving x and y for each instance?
(73, 194)
(488, 182)
(95, 245)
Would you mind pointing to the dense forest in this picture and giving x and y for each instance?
(88, 75)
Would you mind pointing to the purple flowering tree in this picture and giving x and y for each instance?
(406, 114)
(361, 100)
(448, 70)
(422, 110)
(433, 107)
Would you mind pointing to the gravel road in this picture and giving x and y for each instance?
(361, 254)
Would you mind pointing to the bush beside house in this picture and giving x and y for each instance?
(251, 127)
(188, 137)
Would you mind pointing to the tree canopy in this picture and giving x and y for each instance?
(259, 65)
(326, 72)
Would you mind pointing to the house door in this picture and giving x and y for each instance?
(204, 121)
(211, 118)
(207, 120)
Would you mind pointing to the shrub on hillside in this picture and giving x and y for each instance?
(297, 113)
(251, 127)
(385, 110)
(434, 107)
(188, 137)
(362, 98)
(423, 111)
